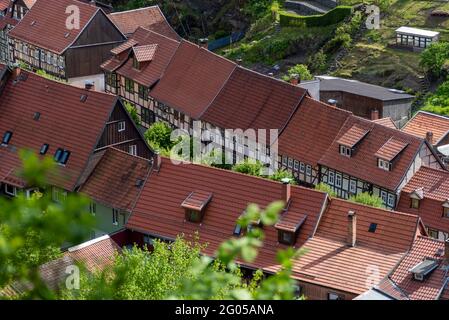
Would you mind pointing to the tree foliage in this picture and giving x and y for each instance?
(300, 70)
(438, 102)
(434, 57)
(255, 168)
(159, 136)
(326, 188)
(133, 113)
(368, 199)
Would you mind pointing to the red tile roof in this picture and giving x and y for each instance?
(45, 24)
(193, 79)
(158, 210)
(145, 53)
(424, 122)
(402, 278)
(311, 131)
(353, 136)
(116, 179)
(435, 189)
(65, 122)
(124, 46)
(151, 72)
(4, 4)
(391, 149)
(330, 262)
(363, 163)
(387, 122)
(151, 18)
(252, 100)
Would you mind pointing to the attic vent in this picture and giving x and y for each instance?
(423, 269)
(37, 116)
(83, 98)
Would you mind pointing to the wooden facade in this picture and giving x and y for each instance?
(81, 58)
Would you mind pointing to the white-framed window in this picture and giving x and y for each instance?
(384, 165)
(446, 212)
(149, 241)
(93, 208)
(414, 203)
(48, 58)
(10, 190)
(121, 126)
(391, 200)
(290, 162)
(383, 195)
(345, 151)
(296, 165)
(115, 214)
(334, 296)
(59, 195)
(338, 179)
(302, 167)
(353, 186)
(331, 177)
(133, 150)
(284, 160)
(308, 170)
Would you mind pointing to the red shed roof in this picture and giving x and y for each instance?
(116, 178)
(45, 24)
(65, 122)
(151, 18)
(424, 122)
(402, 279)
(193, 79)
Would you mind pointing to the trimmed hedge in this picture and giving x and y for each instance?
(332, 17)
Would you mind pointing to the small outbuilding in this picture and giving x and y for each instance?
(417, 39)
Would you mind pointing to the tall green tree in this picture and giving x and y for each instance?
(434, 57)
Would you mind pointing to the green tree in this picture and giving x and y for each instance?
(32, 231)
(158, 136)
(300, 70)
(317, 62)
(326, 188)
(438, 102)
(368, 199)
(434, 57)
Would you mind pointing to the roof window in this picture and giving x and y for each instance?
(6, 138)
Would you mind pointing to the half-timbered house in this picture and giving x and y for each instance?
(52, 37)
(74, 126)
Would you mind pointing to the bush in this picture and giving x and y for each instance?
(333, 16)
(326, 188)
(133, 113)
(301, 70)
(317, 62)
(434, 57)
(158, 136)
(368, 199)
(439, 101)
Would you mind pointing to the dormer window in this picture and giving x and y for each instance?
(415, 198)
(446, 209)
(345, 151)
(423, 269)
(6, 138)
(384, 165)
(288, 228)
(195, 205)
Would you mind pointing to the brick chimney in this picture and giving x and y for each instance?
(203, 43)
(89, 85)
(286, 190)
(157, 161)
(429, 137)
(294, 80)
(352, 228)
(374, 114)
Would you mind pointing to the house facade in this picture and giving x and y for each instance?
(45, 40)
(74, 126)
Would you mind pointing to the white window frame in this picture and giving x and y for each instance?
(384, 165)
(14, 190)
(338, 180)
(391, 200)
(284, 160)
(121, 126)
(296, 165)
(384, 196)
(302, 167)
(290, 163)
(115, 217)
(331, 178)
(309, 170)
(133, 150)
(353, 186)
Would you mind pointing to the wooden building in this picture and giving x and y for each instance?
(50, 39)
(74, 126)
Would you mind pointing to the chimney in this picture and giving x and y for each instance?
(294, 80)
(204, 43)
(352, 228)
(157, 161)
(89, 85)
(429, 137)
(286, 190)
(374, 114)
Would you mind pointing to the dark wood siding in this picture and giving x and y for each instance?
(123, 139)
(359, 105)
(99, 30)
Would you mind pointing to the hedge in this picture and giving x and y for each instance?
(333, 16)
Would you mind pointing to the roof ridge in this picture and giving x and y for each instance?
(132, 10)
(157, 33)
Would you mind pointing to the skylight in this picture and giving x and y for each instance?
(44, 149)
(372, 227)
(6, 137)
